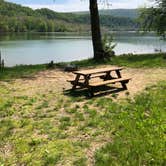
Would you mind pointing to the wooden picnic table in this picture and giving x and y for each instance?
(83, 78)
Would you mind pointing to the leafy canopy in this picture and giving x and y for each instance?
(154, 18)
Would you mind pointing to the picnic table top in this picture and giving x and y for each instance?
(95, 71)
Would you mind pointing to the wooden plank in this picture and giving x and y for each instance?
(92, 76)
(101, 83)
(100, 70)
(98, 75)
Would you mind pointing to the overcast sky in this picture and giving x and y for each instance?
(79, 5)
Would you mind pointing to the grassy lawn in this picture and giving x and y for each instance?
(135, 61)
(42, 126)
(48, 129)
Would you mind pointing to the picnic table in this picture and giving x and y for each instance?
(85, 78)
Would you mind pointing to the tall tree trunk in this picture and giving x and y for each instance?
(96, 33)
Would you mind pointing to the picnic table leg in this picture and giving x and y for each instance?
(107, 76)
(91, 92)
(90, 89)
(118, 74)
(87, 78)
(124, 85)
(75, 83)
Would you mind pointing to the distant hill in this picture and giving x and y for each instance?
(106, 20)
(129, 13)
(16, 18)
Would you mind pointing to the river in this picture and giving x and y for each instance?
(39, 48)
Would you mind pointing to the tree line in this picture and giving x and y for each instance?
(29, 24)
(16, 18)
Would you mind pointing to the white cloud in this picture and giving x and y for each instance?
(70, 5)
(78, 5)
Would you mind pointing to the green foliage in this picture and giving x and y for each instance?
(51, 65)
(108, 45)
(128, 13)
(154, 19)
(118, 23)
(16, 18)
(80, 162)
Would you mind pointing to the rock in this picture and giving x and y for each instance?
(70, 68)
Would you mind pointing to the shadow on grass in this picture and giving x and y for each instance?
(98, 92)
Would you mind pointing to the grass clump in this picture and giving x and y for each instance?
(80, 162)
(65, 122)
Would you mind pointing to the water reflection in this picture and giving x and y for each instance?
(37, 48)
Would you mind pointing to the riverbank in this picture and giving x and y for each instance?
(133, 61)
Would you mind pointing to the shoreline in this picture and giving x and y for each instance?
(130, 61)
(90, 59)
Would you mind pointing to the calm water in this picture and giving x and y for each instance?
(38, 48)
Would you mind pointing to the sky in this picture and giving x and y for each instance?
(79, 5)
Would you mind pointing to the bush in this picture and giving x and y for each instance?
(108, 46)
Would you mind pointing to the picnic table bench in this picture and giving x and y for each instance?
(84, 78)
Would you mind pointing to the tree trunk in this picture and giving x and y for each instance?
(96, 33)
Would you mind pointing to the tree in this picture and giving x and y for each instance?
(99, 53)
(154, 18)
(42, 26)
(96, 33)
(3, 27)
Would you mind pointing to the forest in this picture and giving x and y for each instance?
(16, 18)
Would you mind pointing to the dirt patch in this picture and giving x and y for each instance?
(56, 81)
(142, 78)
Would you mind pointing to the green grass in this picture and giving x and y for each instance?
(136, 61)
(9, 73)
(48, 131)
(139, 131)
(146, 60)
(129, 60)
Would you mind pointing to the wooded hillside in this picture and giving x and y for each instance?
(16, 18)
